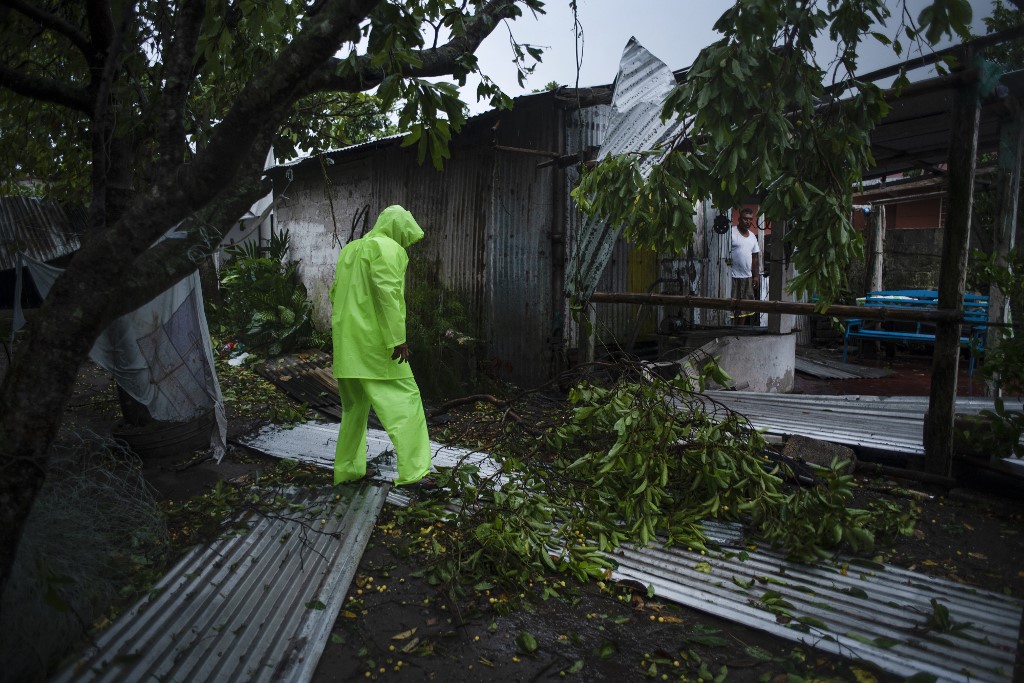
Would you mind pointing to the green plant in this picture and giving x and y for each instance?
(265, 304)
(635, 460)
(1002, 428)
(439, 331)
(652, 460)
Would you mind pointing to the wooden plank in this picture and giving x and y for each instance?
(935, 315)
(938, 422)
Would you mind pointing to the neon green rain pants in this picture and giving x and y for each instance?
(400, 410)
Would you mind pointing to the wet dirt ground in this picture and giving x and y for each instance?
(395, 625)
(398, 627)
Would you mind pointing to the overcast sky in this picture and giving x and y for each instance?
(672, 30)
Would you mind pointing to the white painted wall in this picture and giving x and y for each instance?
(315, 236)
(764, 362)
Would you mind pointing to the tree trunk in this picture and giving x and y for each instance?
(963, 145)
(34, 396)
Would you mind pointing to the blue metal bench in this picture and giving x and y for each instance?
(973, 330)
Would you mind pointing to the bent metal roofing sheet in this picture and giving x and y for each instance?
(256, 606)
(882, 423)
(848, 606)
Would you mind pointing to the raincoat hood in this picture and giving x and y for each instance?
(398, 224)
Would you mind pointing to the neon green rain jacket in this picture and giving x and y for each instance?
(368, 298)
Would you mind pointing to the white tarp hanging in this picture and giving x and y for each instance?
(160, 353)
(641, 87)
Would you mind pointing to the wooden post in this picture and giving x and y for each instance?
(778, 277)
(877, 259)
(963, 150)
(1011, 136)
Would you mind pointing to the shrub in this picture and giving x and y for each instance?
(265, 307)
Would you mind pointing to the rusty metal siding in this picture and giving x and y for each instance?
(451, 206)
(493, 222)
(43, 230)
(586, 130)
(519, 250)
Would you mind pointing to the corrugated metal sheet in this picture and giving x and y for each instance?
(885, 423)
(817, 364)
(821, 370)
(641, 86)
(586, 130)
(258, 606)
(307, 378)
(859, 610)
(43, 230)
(523, 218)
(314, 443)
(851, 607)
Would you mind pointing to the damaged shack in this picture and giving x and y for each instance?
(501, 228)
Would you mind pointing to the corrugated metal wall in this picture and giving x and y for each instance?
(586, 129)
(488, 219)
(451, 208)
(43, 230)
(715, 250)
(495, 223)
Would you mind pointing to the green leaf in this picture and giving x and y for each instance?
(813, 621)
(526, 642)
(707, 640)
(759, 653)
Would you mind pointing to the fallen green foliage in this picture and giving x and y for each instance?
(207, 516)
(247, 396)
(635, 460)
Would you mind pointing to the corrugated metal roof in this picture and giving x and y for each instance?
(886, 423)
(258, 606)
(391, 139)
(849, 606)
(306, 377)
(858, 610)
(314, 443)
(916, 132)
(43, 230)
(817, 365)
(641, 86)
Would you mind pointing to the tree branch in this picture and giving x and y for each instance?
(101, 21)
(334, 74)
(45, 90)
(178, 77)
(270, 94)
(57, 24)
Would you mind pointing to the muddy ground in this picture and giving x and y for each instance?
(396, 626)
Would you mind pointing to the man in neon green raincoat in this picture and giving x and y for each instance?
(370, 351)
